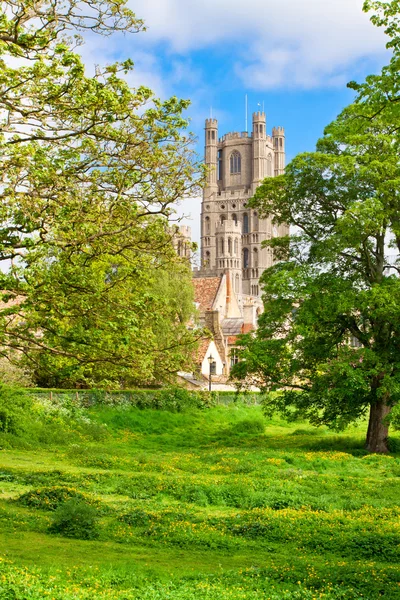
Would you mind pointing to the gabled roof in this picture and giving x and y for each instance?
(205, 291)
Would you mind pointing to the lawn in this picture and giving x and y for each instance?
(217, 503)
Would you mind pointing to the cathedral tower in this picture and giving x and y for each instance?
(231, 233)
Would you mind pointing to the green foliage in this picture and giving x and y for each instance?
(329, 336)
(91, 170)
(76, 519)
(198, 504)
(15, 405)
(51, 498)
(249, 426)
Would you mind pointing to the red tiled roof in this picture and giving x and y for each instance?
(205, 291)
(202, 349)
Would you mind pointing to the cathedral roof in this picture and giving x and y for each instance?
(205, 291)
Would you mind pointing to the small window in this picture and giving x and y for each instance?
(235, 163)
(219, 173)
(245, 223)
(229, 246)
(213, 135)
(245, 258)
(234, 357)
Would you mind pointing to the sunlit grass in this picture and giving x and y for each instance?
(216, 503)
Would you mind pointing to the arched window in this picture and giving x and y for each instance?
(207, 260)
(245, 258)
(245, 223)
(235, 162)
(234, 219)
(222, 218)
(229, 246)
(236, 247)
(207, 224)
(219, 165)
(222, 247)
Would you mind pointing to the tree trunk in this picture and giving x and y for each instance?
(378, 428)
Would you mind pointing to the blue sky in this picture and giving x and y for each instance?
(295, 56)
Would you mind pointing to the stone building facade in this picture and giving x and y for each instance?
(231, 233)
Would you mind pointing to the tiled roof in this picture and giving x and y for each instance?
(232, 326)
(202, 349)
(205, 291)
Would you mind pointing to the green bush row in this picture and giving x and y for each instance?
(170, 398)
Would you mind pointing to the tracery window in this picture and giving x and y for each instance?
(235, 162)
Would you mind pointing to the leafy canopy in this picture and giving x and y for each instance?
(329, 339)
(90, 171)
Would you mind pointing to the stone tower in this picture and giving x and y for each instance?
(231, 233)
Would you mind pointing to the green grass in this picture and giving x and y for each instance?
(216, 504)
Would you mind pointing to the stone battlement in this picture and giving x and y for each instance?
(234, 135)
(185, 231)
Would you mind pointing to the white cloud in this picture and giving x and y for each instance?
(286, 43)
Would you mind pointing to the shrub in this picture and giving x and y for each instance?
(248, 426)
(50, 498)
(15, 406)
(76, 519)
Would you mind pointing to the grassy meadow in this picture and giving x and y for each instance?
(220, 503)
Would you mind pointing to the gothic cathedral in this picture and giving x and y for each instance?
(231, 233)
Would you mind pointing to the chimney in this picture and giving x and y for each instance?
(249, 316)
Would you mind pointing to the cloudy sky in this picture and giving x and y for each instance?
(292, 56)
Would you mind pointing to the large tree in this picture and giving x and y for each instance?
(90, 170)
(329, 338)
